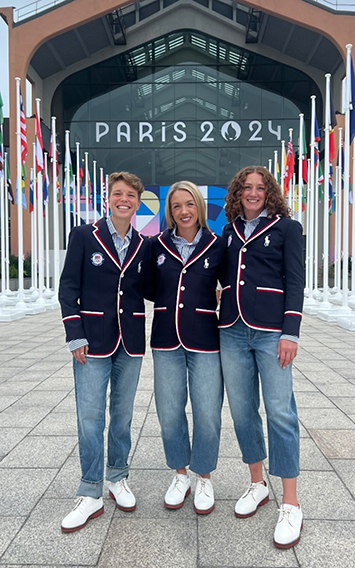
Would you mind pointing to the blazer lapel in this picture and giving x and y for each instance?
(104, 238)
(134, 246)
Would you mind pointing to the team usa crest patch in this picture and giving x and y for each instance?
(97, 258)
(161, 259)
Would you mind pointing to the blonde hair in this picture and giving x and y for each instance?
(197, 196)
(130, 179)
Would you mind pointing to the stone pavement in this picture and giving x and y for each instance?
(39, 468)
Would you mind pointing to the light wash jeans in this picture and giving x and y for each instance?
(91, 381)
(247, 354)
(172, 370)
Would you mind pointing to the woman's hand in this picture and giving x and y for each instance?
(80, 354)
(286, 352)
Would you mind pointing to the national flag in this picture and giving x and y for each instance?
(45, 189)
(320, 181)
(81, 179)
(53, 153)
(331, 121)
(316, 141)
(39, 144)
(304, 158)
(68, 168)
(352, 102)
(23, 130)
(290, 166)
(331, 195)
(23, 187)
(10, 193)
(31, 191)
(277, 175)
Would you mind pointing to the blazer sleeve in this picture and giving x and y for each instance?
(294, 279)
(70, 286)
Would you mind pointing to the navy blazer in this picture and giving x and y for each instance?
(264, 278)
(101, 300)
(185, 295)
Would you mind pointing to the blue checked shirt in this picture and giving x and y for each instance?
(185, 249)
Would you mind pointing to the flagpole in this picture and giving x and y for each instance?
(270, 165)
(78, 183)
(290, 130)
(2, 206)
(67, 188)
(344, 310)
(352, 299)
(308, 195)
(106, 196)
(34, 224)
(74, 201)
(310, 302)
(316, 225)
(338, 205)
(39, 201)
(21, 303)
(55, 212)
(300, 178)
(94, 190)
(7, 240)
(283, 167)
(325, 304)
(102, 192)
(86, 154)
(46, 224)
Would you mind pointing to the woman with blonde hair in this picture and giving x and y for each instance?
(260, 316)
(187, 261)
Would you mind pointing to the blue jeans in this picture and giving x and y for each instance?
(203, 370)
(91, 380)
(245, 354)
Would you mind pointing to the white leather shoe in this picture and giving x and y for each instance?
(204, 496)
(86, 508)
(121, 493)
(178, 491)
(255, 496)
(289, 526)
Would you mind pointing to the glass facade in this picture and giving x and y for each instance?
(185, 106)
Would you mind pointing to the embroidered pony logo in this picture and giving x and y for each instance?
(267, 241)
(206, 263)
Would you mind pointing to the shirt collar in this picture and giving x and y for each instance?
(112, 229)
(196, 240)
(262, 214)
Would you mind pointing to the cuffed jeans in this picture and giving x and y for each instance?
(245, 354)
(91, 380)
(203, 370)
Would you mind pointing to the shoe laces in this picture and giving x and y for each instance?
(253, 487)
(202, 485)
(123, 485)
(80, 501)
(286, 514)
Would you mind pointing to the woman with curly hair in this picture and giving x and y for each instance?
(260, 316)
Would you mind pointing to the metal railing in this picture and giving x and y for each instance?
(35, 8)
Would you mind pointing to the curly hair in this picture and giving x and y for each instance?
(275, 202)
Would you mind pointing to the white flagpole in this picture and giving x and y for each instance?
(338, 205)
(310, 302)
(353, 235)
(289, 196)
(101, 192)
(316, 225)
(46, 227)
(300, 179)
(308, 225)
(7, 240)
(275, 164)
(78, 183)
(283, 166)
(345, 308)
(86, 154)
(55, 213)
(21, 303)
(106, 195)
(67, 190)
(34, 223)
(94, 189)
(270, 165)
(40, 227)
(325, 305)
(74, 201)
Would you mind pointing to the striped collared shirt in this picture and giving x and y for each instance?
(185, 249)
(121, 245)
(251, 224)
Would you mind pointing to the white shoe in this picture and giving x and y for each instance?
(255, 496)
(178, 491)
(204, 496)
(121, 493)
(289, 526)
(86, 508)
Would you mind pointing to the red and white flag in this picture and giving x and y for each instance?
(39, 144)
(23, 130)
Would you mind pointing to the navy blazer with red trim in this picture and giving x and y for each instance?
(100, 300)
(185, 297)
(264, 277)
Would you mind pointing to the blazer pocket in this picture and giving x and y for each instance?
(269, 305)
(93, 323)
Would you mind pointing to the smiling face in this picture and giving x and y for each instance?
(184, 212)
(253, 196)
(124, 201)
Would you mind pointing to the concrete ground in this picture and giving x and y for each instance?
(39, 467)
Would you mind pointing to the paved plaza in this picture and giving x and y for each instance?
(39, 467)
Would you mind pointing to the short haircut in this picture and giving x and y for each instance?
(130, 179)
(196, 194)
